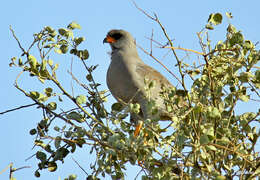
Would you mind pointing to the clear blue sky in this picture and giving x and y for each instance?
(181, 18)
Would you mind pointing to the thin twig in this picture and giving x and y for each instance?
(80, 166)
(151, 44)
(232, 150)
(17, 40)
(156, 42)
(179, 62)
(7, 167)
(71, 83)
(148, 15)
(254, 89)
(157, 60)
(12, 170)
(97, 92)
(138, 173)
(16, 169)
(38, 103)
(156, 19)
(21, 107)
(191, 50)
(78, 82)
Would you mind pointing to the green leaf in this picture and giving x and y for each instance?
(57, 142)
(209, 131)
(56, 128)
(215, 18)
(37, 174)
(80, 142)
(34, 94)
(244, 98)
(85, 54)
(32, 61)
(231, 29)
(60, 99)
(135, 108)
(49, 29)
(78, 40)
(257, 172)
(62, 31)
(248, 45)
(204, 154)
(73, 51)
(229, 15)
(48, 91)
(211, 147)
(75, 116)
(43, 65)
(58, 51)
(117, 107)
(79, 53)
(89, 77)
(48, 46)
(52, 39)
(245, 76)
(73, 25)
(39, 96)
(257, 75)
(72, 177)
(213, 112)
(81, 99)
(52, 166)
(33, 131)
(20, 62)
(41, 156)
(63, 41)
(13, 59)
(237, 38)
(82, 54)
(50, 62)
(64, 49)
(204, 139)
(144, 177)
(209, 27)
(52, 106)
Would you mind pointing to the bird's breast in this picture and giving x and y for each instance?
(120, 81)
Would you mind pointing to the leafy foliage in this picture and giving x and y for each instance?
(205, 139)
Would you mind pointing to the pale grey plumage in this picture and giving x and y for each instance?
(126, 73)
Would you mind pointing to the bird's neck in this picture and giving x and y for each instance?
(125, 53)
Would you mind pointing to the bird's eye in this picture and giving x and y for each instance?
(117, 36)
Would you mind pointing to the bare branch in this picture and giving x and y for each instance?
(80, 166)
(254, 89)
(12, 170)
(185, 50)
(151, 44)
(21, 107)
(17, 40)
(9, 165)
(145, 13)
(157, 60)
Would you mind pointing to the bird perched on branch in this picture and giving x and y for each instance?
(126, 78)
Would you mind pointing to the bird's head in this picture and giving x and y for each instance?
(120, 39)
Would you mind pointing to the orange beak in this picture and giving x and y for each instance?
(109, 39)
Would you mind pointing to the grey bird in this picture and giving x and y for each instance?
(126, 77)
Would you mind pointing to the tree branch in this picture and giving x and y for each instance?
(21, 107)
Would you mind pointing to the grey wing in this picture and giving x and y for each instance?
(145, 71)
